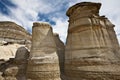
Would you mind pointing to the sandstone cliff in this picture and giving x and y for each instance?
(12, 36)
(11, 32)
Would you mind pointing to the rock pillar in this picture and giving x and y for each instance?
(43, 63)
(60, 52)
(92, 48)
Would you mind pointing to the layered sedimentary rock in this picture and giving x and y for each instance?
(19, 62)
(9, 51)
(60, 52)
(11, 32)
(43, 62)
(12, 36)
(92, 48)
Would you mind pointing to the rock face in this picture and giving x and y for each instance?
(15, 68)
(13, 33)
(92, 48)
(60, 52)
(43, 63)
(12, 36)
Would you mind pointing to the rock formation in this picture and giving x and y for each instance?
(13, 33)
(43, 62)
(91, 52)
(12, 36)
(92, 48)
(10, 73)
(8, 51)
(60, 52)
(1, 77)
(21, 61)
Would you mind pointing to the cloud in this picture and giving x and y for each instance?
(26, 12)
(110, 9)
(61, 28)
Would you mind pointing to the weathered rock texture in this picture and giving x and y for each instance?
(10, 73)
(60, 52)
(1, 77)
(92, 48)
(9, 51)
(11, 32)
(12, 36)
(43, 63)
(21, 61)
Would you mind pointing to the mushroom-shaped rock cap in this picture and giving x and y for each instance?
(71, 9)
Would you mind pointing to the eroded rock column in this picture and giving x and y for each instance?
(60, 52)
(43, 62)
(92, 48)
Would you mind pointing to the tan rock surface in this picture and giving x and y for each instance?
(43, 63)
(1, 77)
(60, 52)
(12, 36)
(11, 32)
(92, 48)
(9, 51)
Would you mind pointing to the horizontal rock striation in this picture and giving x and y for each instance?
(11, 32)
(91, 51)
(60, 52)
(43, 63)
(12, 36)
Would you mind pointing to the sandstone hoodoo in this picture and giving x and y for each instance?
(91, 51)
(43, 63)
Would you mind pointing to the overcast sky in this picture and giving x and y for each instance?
(25, 12)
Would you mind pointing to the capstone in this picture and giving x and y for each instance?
(91, 51)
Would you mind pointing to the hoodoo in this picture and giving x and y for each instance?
(60, 52)
(92, 48)
(43, 63)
